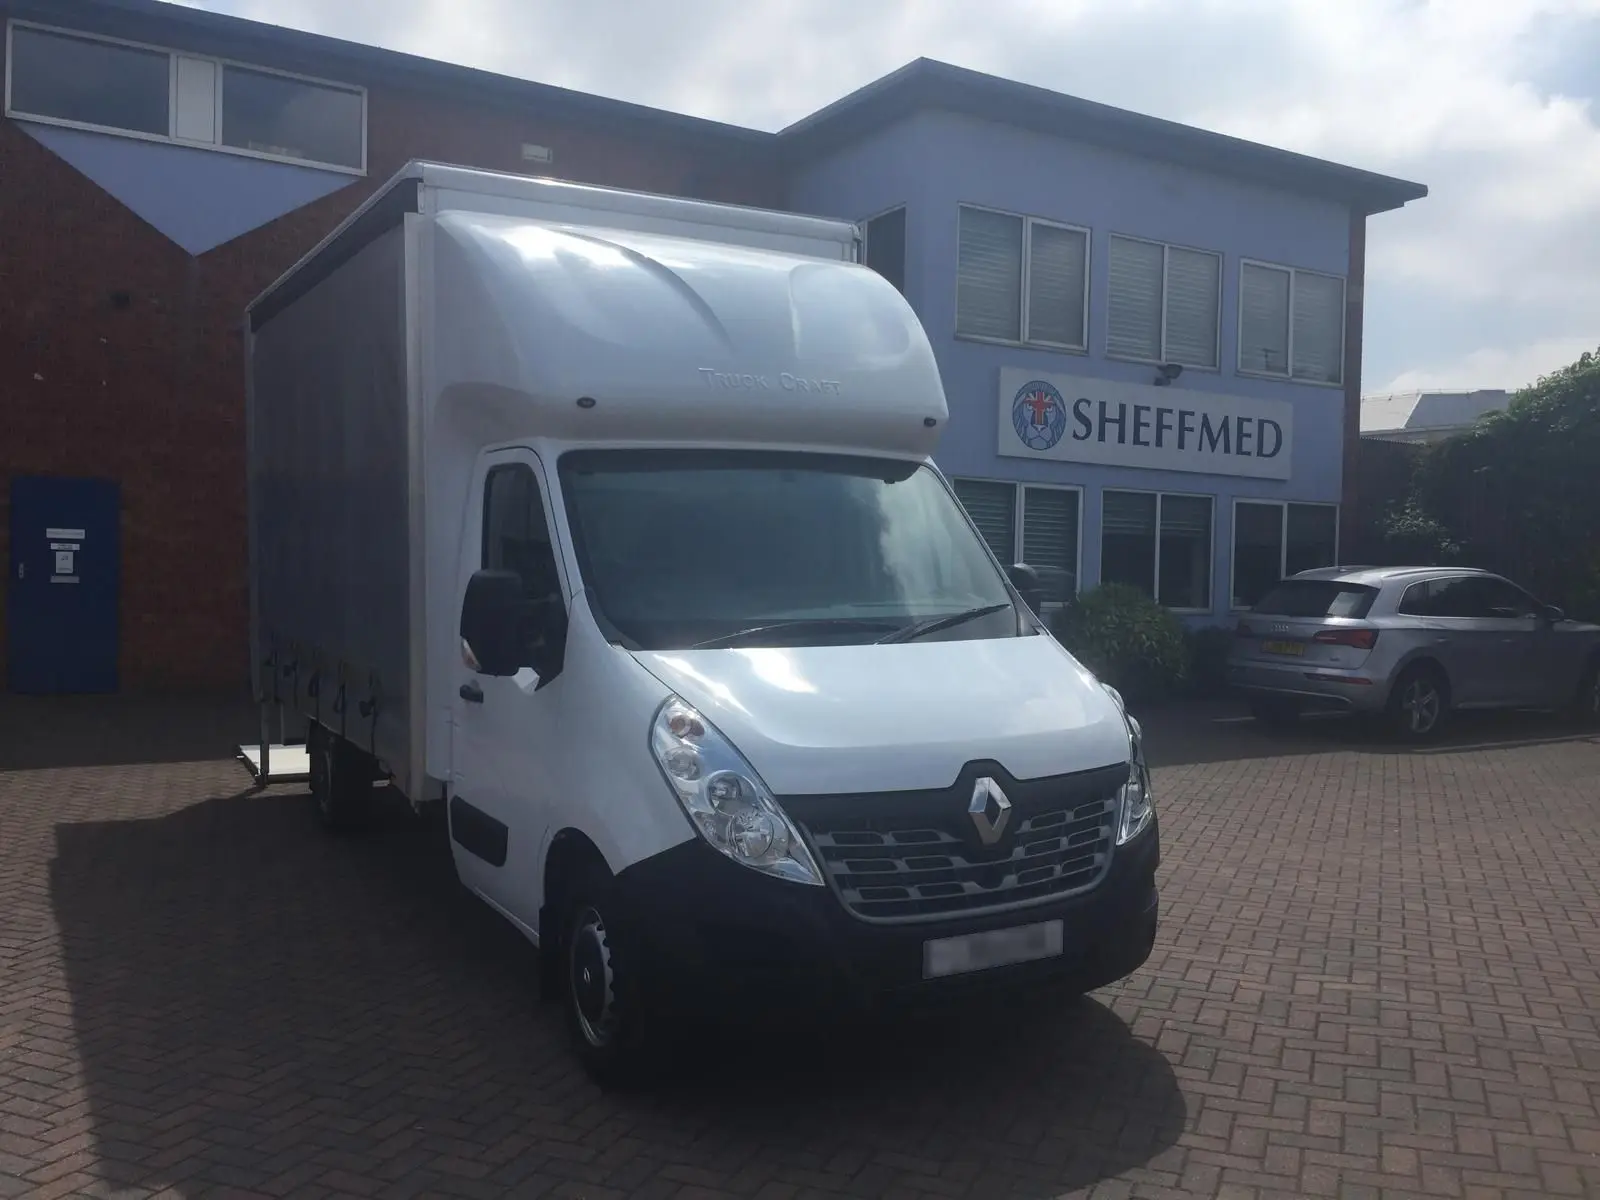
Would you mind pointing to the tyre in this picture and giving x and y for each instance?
(1419, 704)
(341, 781)
(1275, 712)
(600, 983)
(1586, 704)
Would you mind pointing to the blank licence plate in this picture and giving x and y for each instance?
(1284, 647)
(994, 948)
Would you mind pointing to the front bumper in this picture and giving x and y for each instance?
(709, 928)
(1331, 687)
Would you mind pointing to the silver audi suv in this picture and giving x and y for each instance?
(1412, 644)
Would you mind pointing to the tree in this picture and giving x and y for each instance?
(1520, 493)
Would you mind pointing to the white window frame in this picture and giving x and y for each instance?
(1283, 536)
(1018, 512)
(1211, 583)
(170, 137)
(1288, 375)
(1028, 223)
(1166, 257)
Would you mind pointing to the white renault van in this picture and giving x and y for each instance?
(609, 522)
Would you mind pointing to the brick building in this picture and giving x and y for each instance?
(160, 165)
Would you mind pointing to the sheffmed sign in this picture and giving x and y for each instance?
(1074, 419)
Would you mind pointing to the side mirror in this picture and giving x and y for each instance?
(1026, 580)
(1553, 614)
(492, 624)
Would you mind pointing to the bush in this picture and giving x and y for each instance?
(1127, 640)
(1208, 659)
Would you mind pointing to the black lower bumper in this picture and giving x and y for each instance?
(706, 926)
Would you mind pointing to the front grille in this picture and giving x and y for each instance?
(906, 865)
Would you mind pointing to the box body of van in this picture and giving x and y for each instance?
(609, 523)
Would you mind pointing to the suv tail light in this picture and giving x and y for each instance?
(1361, 639)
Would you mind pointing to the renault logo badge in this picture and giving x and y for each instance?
(990, 810)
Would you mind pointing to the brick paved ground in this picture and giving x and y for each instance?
(1379, 974)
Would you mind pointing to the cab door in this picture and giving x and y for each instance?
(505, 728)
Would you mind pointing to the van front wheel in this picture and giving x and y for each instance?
(600, 986)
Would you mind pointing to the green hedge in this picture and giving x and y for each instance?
(1127, 640)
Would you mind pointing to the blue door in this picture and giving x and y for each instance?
(61, 602)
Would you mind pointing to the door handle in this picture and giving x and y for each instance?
(471, 693)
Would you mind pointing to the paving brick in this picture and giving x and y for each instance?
(1374, 976)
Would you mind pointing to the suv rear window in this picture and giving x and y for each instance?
(1317, 598)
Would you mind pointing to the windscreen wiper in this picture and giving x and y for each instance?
(800, 625)
(933, 624)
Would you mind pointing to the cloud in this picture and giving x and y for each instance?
(1490, 367)
(1489, 103)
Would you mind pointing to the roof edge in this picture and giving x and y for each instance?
(928, 84)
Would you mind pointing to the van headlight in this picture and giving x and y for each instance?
(1136, 806)
(724, 797)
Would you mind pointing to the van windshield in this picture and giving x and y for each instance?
(682, 549)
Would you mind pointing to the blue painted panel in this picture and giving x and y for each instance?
(934, 162)
(62, 586)
(198, 198)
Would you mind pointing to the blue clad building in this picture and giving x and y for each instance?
(1150, 335)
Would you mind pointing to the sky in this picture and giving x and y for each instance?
(1491, 281)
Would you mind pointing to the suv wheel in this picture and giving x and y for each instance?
(1419, 704)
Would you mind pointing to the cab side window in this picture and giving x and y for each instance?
(516, 536)
(1505, 600)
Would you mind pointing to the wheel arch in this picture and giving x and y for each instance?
(570, 852)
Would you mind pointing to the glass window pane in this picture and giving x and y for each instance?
(1133, 315)
(1257, 551)
(515, 535)
(886, 247)
(97, 83)
(1193, 279)
(1264, 319)
(1505, 600)
(1186, 551)
(1057, 258)
(1318, 327)
(1313, 537)
(992, 507)
(1325, 598)
(1128, 540)
(291, 118)
(842, 545)
(1457, 597)
(1050, 539)
(989, 275)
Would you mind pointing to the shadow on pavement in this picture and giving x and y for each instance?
(1220, 731)
(258, 1007)
(46, 732)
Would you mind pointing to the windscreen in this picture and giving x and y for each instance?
(1316, 598)
(684, 548)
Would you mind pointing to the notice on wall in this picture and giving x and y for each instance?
(1072, 418)
(65, 552)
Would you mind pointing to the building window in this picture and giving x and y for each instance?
(1291, 323)
(1159, 543)
(1164, 303)
(1273, 540)
(88, 82)
(1032, 523)
(1022, 279)
(291, 118)
(64, 78)
(884, 248)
